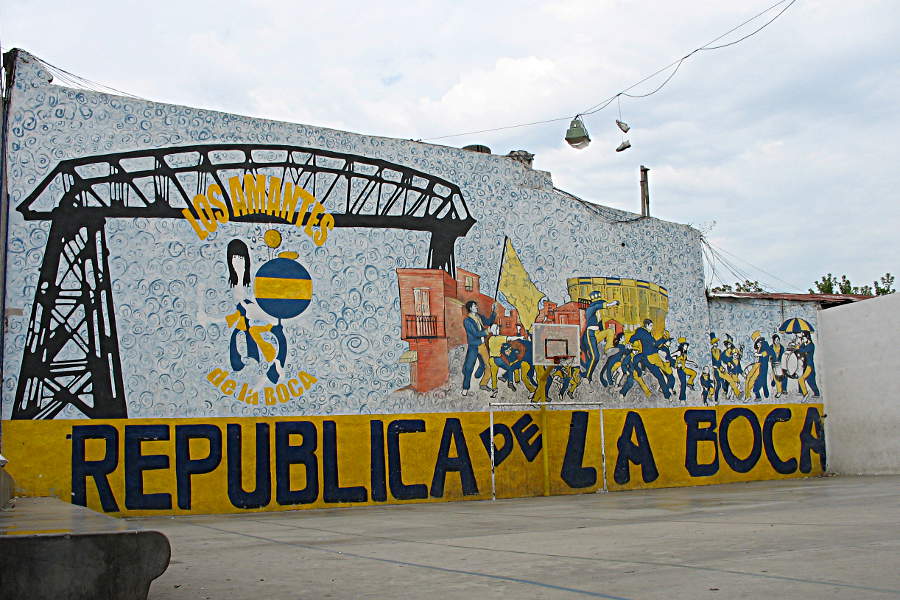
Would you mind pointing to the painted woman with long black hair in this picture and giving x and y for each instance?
(247, 311)
(238, 261)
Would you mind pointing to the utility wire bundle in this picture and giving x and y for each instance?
(577, 135)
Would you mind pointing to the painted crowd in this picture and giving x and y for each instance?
(621, 361)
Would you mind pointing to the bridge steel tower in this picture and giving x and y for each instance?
(71, 355)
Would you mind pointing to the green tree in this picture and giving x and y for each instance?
(746, 286)
(829, 284)
(886, 287)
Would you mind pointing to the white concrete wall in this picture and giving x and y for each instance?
(859, 352)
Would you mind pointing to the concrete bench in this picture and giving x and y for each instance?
(51, 549)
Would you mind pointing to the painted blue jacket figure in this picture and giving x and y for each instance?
(507, 363)
(667, 361)
(476, 326)
(778, 376)
(733, 355)
(606, 372)
(648, 358)
(589, 342)
(627, 367)
(716, 356)
(807, 351)
(525, 349)
(683, 366)
(569, 378)
(725, 379)
(707, 385)
(760, 376)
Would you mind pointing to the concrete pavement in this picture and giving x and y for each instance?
(835, 537)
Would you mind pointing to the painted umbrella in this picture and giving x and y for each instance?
(796, 325)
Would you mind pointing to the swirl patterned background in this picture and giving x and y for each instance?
(171, 291)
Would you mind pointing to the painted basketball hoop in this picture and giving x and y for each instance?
(556, 344)
(557, 350)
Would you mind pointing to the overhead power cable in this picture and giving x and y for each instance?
(707, 46)
(712, 265)
(716, 256)
(84, 83)
(599, 210)
(676, 64)
(760, 269)
(735, 272)
(76, 81)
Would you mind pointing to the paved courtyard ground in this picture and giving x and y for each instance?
(836, 537)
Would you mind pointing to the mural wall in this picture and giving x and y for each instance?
(169, 263)
(776, 342)
(223, 465)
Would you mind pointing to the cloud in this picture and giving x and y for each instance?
(786, 140)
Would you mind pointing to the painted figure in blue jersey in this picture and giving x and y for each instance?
(628, 367)
(716, 355)
(707, 384)
(594, 334)
(779, 379)
(615, 358)
(733, 355)
(569, 378)
(523, 346)
(725, 379)
(682, 365)
(807, 350)
(507, 363)
(649, 359)
(667, 361)
(476, 326)
(758, 375)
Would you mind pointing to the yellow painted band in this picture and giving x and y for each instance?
(278, 288)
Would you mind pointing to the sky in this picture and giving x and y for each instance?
(782, 149)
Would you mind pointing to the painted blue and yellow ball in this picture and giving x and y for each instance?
(283, 288)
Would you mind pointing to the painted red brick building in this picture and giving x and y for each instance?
(432, 309)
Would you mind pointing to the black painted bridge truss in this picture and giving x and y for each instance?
(71, 354)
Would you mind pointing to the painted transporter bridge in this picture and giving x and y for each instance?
(71, 354)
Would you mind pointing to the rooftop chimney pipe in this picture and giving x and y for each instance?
(645, 193)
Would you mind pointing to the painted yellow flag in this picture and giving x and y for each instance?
(518, 288)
